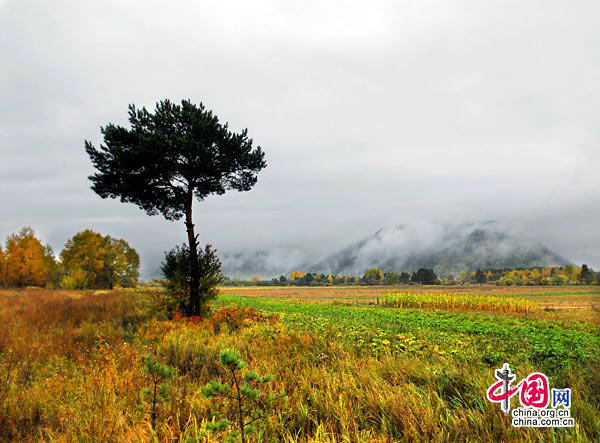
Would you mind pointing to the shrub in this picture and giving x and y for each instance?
(176, 269)
(235, 317)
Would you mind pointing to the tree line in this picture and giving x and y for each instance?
(371, 277)
(544, 276)
(89, 260)
(535, 276)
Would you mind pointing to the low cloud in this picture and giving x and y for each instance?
(370, 115)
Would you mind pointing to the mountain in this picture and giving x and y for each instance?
(446, 248)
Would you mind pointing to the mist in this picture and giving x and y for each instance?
(370, 116)
(448, 248)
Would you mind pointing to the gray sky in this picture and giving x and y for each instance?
(370, 114)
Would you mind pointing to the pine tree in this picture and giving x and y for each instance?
(170, 157)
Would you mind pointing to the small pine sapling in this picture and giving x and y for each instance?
(158, 373)
(243, 396)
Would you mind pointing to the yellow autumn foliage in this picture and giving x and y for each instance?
(25, 261)
(295, 275)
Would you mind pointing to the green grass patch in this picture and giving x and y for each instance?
(552, 345)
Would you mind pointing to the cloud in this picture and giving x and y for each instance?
(370, 115)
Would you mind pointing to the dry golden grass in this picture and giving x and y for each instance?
(457, 302)
(71, 370)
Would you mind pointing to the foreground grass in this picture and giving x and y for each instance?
(71, 370)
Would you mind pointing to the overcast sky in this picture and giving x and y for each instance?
(370, 115)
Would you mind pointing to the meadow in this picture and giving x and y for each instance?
(352, 370)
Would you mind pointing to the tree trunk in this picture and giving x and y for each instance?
(194, 305)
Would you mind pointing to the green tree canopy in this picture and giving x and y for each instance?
(480, 276)
(170, 157)
(425, 276)
(176, 270)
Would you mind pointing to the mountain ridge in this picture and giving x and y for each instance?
(448, 249)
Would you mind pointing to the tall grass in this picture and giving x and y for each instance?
(454, 302)
(71, 370)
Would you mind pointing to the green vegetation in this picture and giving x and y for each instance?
(159, 391)
(177, 273)
(243, 394)
(371, 277)
(470, 336)
(548, 276)
(169, 158)
(545, 276)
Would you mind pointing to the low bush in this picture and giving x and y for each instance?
(235, 317)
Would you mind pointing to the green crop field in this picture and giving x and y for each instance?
(476, 337)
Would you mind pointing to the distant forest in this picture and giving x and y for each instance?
(545, 276)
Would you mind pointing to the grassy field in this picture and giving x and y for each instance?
(568, 302)
(366, 294)
(353, 370)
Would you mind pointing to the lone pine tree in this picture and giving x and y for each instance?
(170, 157)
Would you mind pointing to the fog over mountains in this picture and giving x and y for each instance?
(447, 248)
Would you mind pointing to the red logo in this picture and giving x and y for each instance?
(534, 390)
